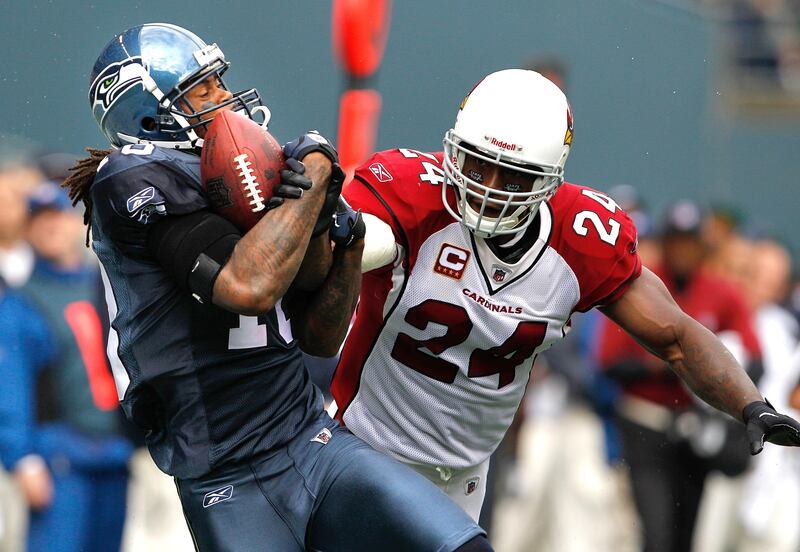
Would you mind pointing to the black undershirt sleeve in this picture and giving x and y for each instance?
(193, 249)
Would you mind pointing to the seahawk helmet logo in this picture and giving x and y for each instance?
(115, 80)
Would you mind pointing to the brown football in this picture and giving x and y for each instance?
(239, 165)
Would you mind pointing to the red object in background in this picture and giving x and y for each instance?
(85, 324)
(359, 111)
(360, 30)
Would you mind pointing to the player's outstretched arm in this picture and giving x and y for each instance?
(267, 258)
(320, 320)
(648, 312)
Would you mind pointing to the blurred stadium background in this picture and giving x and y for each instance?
(659, 100)
(676, 99)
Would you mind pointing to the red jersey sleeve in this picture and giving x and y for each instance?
(598, 240)
(402, 187)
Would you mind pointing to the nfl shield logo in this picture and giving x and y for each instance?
(323, 436)
(471, 485)
(498, 273)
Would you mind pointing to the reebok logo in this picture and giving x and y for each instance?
(220, 495)
(380, 172)
(140, 198)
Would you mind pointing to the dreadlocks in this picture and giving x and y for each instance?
(79, 182)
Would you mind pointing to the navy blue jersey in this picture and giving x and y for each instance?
(210, 386)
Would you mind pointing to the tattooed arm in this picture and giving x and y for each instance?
(648, 312)
(315, 266)
(267, 258)
(320, 321)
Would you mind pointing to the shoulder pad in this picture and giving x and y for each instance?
(154, 181)
(403, 187)
(598, 240)
(137, 186)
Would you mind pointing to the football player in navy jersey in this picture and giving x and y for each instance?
(206, 329)
(475, 260)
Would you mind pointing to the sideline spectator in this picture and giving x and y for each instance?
(26, 346)
(669, 443)
(720, 225)
(78, 434)
(17, 178)
(758, 511)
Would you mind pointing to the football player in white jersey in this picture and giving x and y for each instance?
(475, 259)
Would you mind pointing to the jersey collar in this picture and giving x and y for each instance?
(498, 273)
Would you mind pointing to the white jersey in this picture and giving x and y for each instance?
(441, 350)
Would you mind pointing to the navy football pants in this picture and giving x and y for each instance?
(339, 496)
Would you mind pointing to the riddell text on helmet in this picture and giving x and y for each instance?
(503, 145)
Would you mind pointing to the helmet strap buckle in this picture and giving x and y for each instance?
(165, 119)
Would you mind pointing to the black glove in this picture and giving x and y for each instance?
(764, 424)
(326, 214)
(298, 149)
(348, 225)
(292, 184)
(307, 143)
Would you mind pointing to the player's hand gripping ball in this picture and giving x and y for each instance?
(240, 169)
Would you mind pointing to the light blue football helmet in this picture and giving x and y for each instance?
(139, 78)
